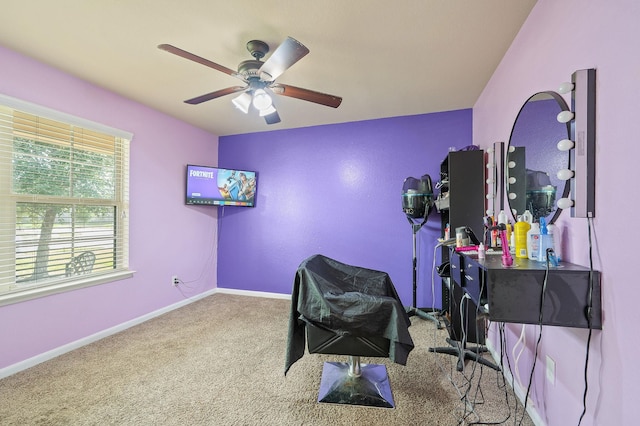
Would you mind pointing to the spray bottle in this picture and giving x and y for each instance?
(546, 241)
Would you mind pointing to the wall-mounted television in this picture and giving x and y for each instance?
(215, 186)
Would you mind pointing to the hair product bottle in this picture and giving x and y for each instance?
(533, 241)
(546, 241)
(520, 232)
(502, 220)
(556, 232)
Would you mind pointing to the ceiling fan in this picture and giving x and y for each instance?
(260, 78)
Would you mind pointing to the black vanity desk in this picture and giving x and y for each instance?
(512, 294)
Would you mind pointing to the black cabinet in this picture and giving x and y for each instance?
(463, 179)
(462, 184)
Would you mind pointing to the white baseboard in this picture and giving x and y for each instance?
(253, 293)
(519, 391)
(46, 356)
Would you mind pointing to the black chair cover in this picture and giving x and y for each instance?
(348, 300)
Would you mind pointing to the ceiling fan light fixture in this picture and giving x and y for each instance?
(267, 111)
(265, 76)
(242, 102)
(259, 78)
(261, 100)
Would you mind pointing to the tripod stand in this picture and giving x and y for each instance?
(413, 310)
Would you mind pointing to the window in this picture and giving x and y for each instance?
(64, 202)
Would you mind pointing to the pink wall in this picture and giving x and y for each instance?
(166, 237)
(558, 38)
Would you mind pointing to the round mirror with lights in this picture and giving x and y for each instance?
(533, 159)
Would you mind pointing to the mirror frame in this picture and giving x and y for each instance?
(562, 104)
(495, 179)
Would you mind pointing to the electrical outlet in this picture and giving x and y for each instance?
(174, 280)
(551, 370)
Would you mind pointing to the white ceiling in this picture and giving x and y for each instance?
(384, 58)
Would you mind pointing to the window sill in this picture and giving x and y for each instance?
(34, 293)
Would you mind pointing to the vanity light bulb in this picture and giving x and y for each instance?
(565, 174)
(512, 148)
(489, 212)
(513, 195)
(512, 180)
(511, 164)
(490, 150)
(489, 196)
(565, 144)
(565, 116)
(514, 211)
(565, 203)
(565, 87)
(490, 165)
(489, 181)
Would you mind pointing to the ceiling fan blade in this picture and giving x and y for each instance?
(213, 95)
(287, 54)
(307, 95)
(272, 118)
(184, 54)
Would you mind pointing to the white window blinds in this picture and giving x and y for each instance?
(65, 194)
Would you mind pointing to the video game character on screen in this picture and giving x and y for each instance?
(235, 185)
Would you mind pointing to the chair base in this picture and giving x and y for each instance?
(371, 388)
(464, 352)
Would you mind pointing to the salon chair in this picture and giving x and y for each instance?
(351, 311)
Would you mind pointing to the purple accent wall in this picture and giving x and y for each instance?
(335, 190)
(557, 39)
(166, 237)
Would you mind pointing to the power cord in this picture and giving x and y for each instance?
(505, 354)
(500, 378)
(469, 404)
(549, 254)
(589, 315)
(185, 284)
(522, 342)
(468, 398)
(449, 375)
(479, 388)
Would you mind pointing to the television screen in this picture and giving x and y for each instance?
(215, 186)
